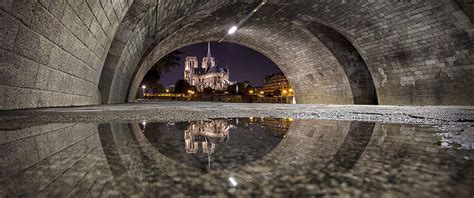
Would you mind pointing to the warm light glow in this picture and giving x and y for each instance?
(143, 86)
(251, 91)
(284, 91)
(191, 92)
(167, 90)
(232, 30)
(291, 90)
(262, 92)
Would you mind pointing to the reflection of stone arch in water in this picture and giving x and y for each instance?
(128, 162)
(166, 164)
(314, 143)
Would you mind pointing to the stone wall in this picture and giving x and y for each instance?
(416, 53)
(52, 53)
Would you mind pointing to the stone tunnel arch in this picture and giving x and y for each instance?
(417, 53)
(337, 86)
(357, 73)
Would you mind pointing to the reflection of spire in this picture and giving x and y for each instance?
(209, 151)
(214, 132)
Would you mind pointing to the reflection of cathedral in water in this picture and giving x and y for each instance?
(207, 134)
(211, 134)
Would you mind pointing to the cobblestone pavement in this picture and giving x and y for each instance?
(184, 111)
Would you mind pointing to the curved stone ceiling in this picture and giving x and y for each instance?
(62, 53)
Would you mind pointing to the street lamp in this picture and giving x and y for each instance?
(232, 30)
(143, 89)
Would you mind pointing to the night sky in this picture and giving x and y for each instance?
(243, 63)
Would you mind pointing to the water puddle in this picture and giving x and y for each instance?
(235, 157)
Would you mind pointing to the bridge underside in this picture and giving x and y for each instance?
(85, 52)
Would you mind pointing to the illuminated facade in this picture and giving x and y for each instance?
(276, 82)
(209, 75)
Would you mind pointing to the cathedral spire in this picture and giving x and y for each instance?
(209, 50)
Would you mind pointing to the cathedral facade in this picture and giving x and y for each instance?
(208, 75)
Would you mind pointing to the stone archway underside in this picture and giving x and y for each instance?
(63, 53)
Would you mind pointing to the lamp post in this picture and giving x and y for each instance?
(143, 89)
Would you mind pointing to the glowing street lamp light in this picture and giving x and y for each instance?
(232, 30)
(143, 89)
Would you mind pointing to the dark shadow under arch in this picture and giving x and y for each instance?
(354, 66)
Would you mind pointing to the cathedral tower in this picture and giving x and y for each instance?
(190, 64)
(208, 61)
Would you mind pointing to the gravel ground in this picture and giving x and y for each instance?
(443, 116)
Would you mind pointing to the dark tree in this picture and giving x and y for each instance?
(241, 88)
(208, 91)
(181, 86)
(163, 66)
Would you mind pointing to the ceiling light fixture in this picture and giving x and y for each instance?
(232, 30)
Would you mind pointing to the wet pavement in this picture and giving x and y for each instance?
(173, 111)
(246, 156)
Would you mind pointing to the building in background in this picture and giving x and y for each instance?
(209, 75)
(276, 85)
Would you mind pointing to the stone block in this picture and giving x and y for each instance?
(16, 70)
(17, 98)
(42, 77)
(54, 81)
(33, 45)
(98, 33)
(23, 10)
(74, 24)
(82, 9)
(47, 25)
(58, 58)
(66, 84)
(94, 5)
(6, 5)
(56, 7)
(3, 90)
(8, 31)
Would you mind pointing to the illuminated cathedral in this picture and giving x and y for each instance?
(209, 75)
